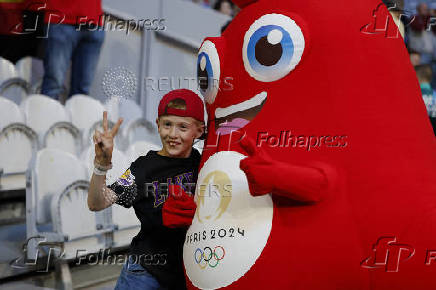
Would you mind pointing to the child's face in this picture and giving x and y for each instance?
(177, 135)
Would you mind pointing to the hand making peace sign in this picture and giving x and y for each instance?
(104, 141)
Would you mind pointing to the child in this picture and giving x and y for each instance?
(155, 255)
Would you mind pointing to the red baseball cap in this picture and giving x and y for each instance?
(194, 104)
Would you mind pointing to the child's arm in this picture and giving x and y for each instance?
(99, 196)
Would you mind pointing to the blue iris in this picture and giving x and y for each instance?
(205, 76)
(283, 60)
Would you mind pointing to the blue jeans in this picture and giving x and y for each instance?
(64, 44)
(133, 276)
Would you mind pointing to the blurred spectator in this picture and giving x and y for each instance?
(224, 6)
(228, 8)
(74, 34)
(236, 10)
(424, 74)
(415, 58)
(419, 37)
(202, 3)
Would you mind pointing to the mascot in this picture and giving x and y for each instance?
(319, 170)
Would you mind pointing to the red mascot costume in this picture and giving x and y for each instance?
(319, 170)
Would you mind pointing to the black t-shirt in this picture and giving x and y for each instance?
(145, 187)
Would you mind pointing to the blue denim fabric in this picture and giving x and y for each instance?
(134, 276)
(64, 44)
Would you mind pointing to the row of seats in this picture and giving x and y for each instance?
(57, 211)
(16, 80)
(21, 70)
(41, 122)
(40, 113)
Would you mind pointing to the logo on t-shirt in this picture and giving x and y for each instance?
(127, 179)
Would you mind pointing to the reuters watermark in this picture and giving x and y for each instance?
(178, 82)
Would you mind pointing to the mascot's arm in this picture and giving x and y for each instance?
(179, 208)
(266, 175)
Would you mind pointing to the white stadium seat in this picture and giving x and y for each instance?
(7, 70)
(139, 130)
(24, 68)
(15, 89)
(56, 205)
(140, 148)
(9, 113)
(124, 108)
(50, 120)
(64, 136)
(112, 106)
(129, 110)
(12, 86)
(30, 69)
(53, 171)
(17, 145)
(84, 112)
(42, 112)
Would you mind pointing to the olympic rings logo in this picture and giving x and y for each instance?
(210, 257)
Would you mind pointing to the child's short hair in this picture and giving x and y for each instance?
(176, 104)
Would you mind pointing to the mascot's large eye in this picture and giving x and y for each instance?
(208, 71)
(273, 46)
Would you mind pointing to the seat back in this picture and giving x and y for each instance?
(9, 113)
(129, 110)
(140, 130)
(112, 106)
(42, 112)
(17, 145)
(71, 212)
(15, 89)
(64, 136)
(84, 111)
(140, 148)
(52, 172)
(24, 68)
(7, 70)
